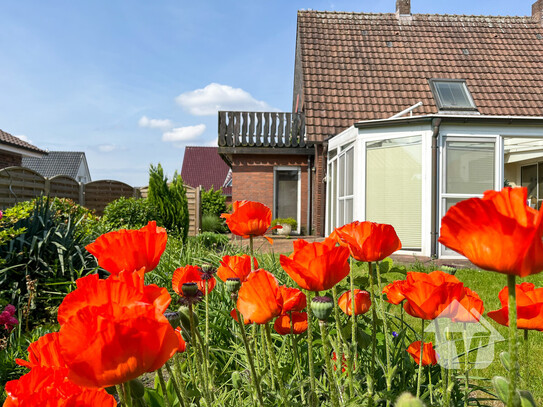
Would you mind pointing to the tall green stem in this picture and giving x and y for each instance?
(179, 376)
(387, 336)
(313, 395)
(420, 358)
(200, 357)
(294, 345)
(329, 371)
(127, 394)
(254, 377)
(430, 386)
(120, 393)
(373, 322)
(339, 348)
(466, 363)
(207, 321)
(275, 367)
(513, 352)
(176, 386)
(353, 320)
(163, 387)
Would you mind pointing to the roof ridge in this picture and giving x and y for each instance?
(362, 13)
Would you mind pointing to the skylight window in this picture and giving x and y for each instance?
(452, 94)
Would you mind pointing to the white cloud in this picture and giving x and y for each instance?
(162, 124)
(107, 148)
(24, 138)
(179, 135)
(215, 97)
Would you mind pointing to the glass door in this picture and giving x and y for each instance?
(468, 169)
(287, 197)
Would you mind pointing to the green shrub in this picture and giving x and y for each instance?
(212, 223)
(170, 201)
(212, 240)
(213, 202)
(285, 221)
(130, 213)
(45, 255)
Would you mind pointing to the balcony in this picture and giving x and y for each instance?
(262, 133)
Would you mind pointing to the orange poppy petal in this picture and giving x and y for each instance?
(293, 299)
(283, 323)
(44, 352)
(362, 302)
(259, 298)
(429, 356)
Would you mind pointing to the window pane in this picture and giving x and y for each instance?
(334, 196)
(453, 95)
(469, 167)
(348, 210)
(349, 172)
(286, 189)
(528, 179)
(394, 186)
(341, 175)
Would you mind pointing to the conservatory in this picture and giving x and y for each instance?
(409, 171)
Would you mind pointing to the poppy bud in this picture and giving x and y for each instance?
(322, 307)
(233, 285)
(137, 389)
(173, 318)
(236, 380)
(407, 400)
(184, 316)
(449, 269)
(189, 289)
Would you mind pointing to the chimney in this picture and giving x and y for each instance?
(537, 11)
(403, 7)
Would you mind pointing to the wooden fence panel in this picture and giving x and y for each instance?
(18, 184)
(63, 186)
(99, 193)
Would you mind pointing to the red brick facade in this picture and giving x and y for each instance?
(253, 179)
(8, 159)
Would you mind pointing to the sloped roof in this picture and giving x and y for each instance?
(56, 163)
(204, 166)
(6, 138)
(360, 66)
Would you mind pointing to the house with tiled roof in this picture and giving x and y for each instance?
(396, 117)
(203, 167)
(13, 149)
(69, 163)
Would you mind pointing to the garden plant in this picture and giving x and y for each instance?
(335, 323)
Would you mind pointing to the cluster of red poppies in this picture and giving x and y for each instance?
(113, 330)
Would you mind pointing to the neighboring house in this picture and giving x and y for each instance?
(404, 114)
(70, 163)
(203, 166)
(13, 149)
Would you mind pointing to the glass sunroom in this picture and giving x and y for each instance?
(409, 171)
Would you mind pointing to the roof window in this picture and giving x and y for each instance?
(452, 94)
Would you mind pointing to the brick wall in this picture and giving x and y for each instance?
(252, 178)
(8, 159)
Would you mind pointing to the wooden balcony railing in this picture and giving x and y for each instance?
(261, 129)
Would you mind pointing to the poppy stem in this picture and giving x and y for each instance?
(420, 358)
(466, 363)
(207, 321)
(373, 323)
(293, 345)
(329, 371)
(175, 383)
(163, 387)
(389, 374)
(265, 356)
(179, 377)
(340, 342)
(255, 342)
(254, 377)
(194, 340)
(313, 396)
(273, 359)
(430, 386)
(353, 325)
(526, 363)
(513, 370)
(120, 393)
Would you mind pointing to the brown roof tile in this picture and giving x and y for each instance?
(370, 66)
(8, 139)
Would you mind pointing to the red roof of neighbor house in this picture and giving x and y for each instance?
(204, 166)
(359, 66)
(8, 139)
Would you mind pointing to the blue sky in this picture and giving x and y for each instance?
(133, 82)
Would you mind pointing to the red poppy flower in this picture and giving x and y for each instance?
(429, 355)
(234, 315)
(293, 299)
(362, 302)
(368, 241)
(249, 218)
(46, 387)
(439, 294)
(130, 250)
(236, 267)
(182, 344)
(283, 324)
(114, 330)
(259, 298)
(529, 307)
(393, 292)
(498, 232)
(191, 274)
(316, 266)
(44, 352)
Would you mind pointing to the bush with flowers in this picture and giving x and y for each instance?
(323, 326)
